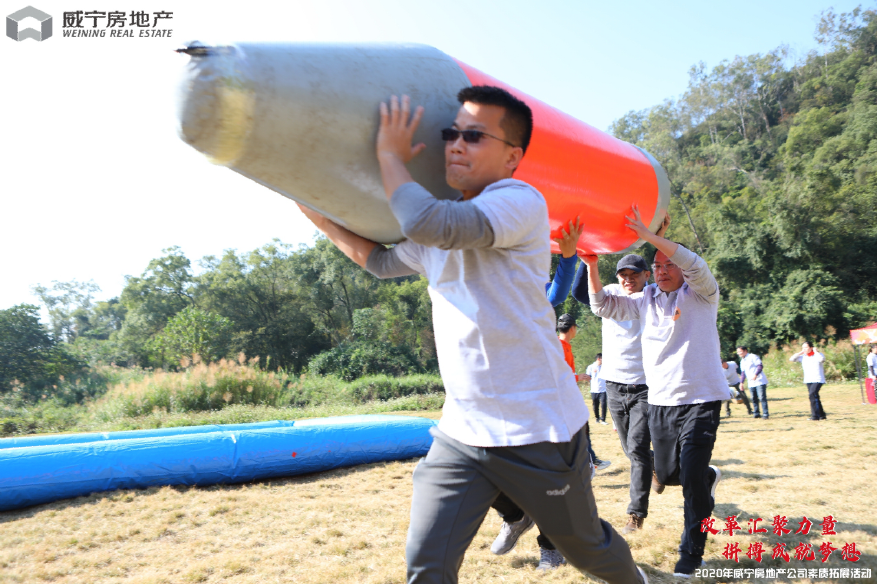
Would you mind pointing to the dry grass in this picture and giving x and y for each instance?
(348, 526)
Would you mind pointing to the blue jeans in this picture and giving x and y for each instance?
(759, 394)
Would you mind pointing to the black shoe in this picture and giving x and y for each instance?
(687, 564)
(756, 415)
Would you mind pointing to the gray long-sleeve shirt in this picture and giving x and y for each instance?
(431, 222)
(680, 340)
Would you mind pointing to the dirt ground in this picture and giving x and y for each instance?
(349, 525)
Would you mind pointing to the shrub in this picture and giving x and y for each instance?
(312, 390)
(355, 359)
(198, 387)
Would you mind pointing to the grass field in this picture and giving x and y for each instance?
(349, 526)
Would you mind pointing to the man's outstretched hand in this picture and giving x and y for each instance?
(394, 149)
(589, 260)
(636, 224)
(665, 224)
(569, 237)
(397, 131)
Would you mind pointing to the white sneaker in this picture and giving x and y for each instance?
(509, 534)
(715, 482)
(642, 575)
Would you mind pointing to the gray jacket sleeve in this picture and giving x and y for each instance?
(442, 224)
(385, 263)
(697, 274)
(616, 307)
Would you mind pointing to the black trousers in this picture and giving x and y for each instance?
(598, 401)
(816, 411)
(683, 438)
(629, 405)
(741, 394)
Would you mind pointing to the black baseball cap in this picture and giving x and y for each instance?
(565, 322)
(632, 262)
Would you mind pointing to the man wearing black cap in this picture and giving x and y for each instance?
(626, 382)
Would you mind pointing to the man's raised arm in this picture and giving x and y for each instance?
(694, 268)
(617, 307)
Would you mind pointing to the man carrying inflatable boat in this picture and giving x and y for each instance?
(513, 419)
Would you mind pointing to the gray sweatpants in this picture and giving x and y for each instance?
(455, 485)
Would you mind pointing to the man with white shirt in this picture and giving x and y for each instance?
(513, 416)
(598, 389)
(814, 377)
(752, 372)
(733, 379)
(625, 381)
(680, 345)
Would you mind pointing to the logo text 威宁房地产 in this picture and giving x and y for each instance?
(117, 24)
(92, 24)
(14, 28)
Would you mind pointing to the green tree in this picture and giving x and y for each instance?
(65, 302)
(193, 332)
(150, 300)
(30, 360)
(263, 295)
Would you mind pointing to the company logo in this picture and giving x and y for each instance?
(558, 492)
(13, 25)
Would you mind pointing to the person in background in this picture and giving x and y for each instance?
(871, 360)
(598, 389)
(811, 361)
(752, 372)
(733, 379)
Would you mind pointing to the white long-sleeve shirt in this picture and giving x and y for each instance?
(622, 347)
(680, 340)
(813, 370)
(506, 380)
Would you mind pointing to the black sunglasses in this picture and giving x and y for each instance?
(469, 136)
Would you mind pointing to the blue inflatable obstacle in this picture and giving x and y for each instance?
(43, 440)
(34, 474)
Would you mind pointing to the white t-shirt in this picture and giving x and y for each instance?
(871, 360)
(622, 347)
(505, 377)
(813, 371)
(749, 365)
(731, 373)
(598, 384)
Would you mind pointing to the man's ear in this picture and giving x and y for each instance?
(514, 158)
